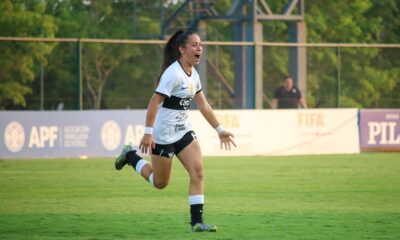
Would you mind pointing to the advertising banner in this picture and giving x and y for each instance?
(283, 132)
(380, 130)
(52, 134)
(58, 134)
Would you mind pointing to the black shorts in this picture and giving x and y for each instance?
(168, 150)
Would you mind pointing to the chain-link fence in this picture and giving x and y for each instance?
(113, 74)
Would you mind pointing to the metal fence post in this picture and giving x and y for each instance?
(78, 84)
(338, 53)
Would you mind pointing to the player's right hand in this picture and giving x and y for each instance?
(147, 143)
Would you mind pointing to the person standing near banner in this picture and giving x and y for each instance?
(168, 131)
(288, 96)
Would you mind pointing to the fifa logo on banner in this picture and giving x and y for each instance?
(110, 135)
(310, 120)
(14, 136)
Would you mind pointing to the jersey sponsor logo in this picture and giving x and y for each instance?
(181, 116)
(180, 127)
(184, 102)
(177, 103)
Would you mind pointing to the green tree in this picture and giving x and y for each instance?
(123, 75)
(18, 60)
(107, 67)
(368, 75)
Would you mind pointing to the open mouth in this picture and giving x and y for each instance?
(197, 56)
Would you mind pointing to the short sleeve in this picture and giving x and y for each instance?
(197, 81)
(167, 83)
(198, 87)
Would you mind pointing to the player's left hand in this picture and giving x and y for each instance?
(226, 139)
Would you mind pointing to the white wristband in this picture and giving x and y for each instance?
(148, 130)
(219, 129)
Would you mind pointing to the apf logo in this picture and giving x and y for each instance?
(14, 136)
(110, 135)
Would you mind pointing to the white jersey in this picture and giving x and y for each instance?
(179, 90)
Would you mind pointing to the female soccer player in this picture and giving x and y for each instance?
(168, 131)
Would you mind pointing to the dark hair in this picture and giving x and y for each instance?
(171, 49)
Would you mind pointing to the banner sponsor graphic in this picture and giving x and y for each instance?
(68, 133)
(102, 133)
(283, 132)
(380, 130)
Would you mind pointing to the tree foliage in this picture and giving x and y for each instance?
(368, 75)
(123, 75)
(98, 19)
(18, 60)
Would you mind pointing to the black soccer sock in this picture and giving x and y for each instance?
(132, 158)
(196, 213)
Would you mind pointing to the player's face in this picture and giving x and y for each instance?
(191, 53)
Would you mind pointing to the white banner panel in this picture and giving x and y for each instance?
(282, 132)
(52, 134)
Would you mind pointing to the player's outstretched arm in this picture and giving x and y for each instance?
(225, 137)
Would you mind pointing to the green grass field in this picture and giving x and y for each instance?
(299, 197)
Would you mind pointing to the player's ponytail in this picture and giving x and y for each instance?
(171, 49)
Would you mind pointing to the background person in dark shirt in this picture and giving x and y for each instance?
(288, 96)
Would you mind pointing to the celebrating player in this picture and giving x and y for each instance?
(168, 131)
